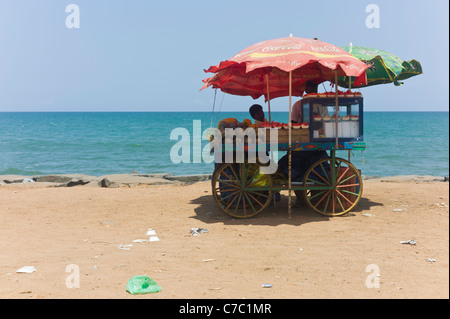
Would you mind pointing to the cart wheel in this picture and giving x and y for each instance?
(230, 183)
(216, 169)
(338, 200)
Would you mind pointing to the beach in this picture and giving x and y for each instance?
(394, 245)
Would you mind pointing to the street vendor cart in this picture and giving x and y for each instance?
(332, 185)
(283, 67)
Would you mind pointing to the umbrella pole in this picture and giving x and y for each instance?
(270, 120)
(268, 96)
(336, 146)
(290, 141)
(349, 87)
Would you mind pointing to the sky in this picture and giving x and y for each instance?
(145, 55)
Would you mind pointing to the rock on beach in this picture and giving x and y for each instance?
(107, 181)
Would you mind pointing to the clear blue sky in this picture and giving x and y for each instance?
(148, 55)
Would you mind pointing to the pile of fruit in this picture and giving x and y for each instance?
(234, 123)
(347, 93)
(279, 125)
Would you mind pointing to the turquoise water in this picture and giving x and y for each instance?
(398, 143)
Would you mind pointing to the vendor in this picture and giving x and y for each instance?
(296, 114)
(257, 113)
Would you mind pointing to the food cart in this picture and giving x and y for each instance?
(284, 67)
(331, 186)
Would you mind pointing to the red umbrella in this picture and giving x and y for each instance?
(269, 63)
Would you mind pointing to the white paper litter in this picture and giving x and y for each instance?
(125, 247)
(26, 269)
(150, 232)
(139, 240)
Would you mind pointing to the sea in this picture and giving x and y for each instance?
(104, 143)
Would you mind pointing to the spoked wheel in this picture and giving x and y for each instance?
(240, 190)
(343, 182)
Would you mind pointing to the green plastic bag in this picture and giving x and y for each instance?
(142, 285)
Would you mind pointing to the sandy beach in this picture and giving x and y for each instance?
(90, 229)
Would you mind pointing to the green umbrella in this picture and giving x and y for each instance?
(384, 67)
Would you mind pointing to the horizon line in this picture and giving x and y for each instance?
(182, 111)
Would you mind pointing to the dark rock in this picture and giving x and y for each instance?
(104, 182)
(10, 179)
(76, 182)
(52, 179)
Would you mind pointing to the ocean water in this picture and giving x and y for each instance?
(398, 143)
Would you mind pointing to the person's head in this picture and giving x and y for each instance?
(311, 88)
(256, 111)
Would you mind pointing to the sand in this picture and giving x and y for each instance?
(73, 235)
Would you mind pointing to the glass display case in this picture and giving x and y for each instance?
(320, 113)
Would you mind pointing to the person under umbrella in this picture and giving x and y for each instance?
(257, 113)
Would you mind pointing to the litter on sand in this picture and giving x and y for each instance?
(197, 231)
(151, 232)
(431, 260)
(142, 285)
(153, 238)
(125, 247)
(410, 242)
(26, 270)
(140, 240)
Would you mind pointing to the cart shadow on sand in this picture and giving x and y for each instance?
(208, 212)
